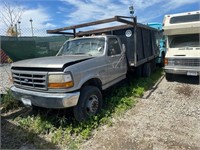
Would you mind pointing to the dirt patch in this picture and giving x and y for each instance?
(14, 136)
(186, 90)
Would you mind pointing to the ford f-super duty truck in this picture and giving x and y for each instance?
(84, 66)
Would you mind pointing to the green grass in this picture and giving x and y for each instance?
(68, 132)
(8, 102)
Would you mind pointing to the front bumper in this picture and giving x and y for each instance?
(47, 100)
(183, 71)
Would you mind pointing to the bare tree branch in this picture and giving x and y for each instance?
(5, 23)
(18, 15)
(5, 18)
(10, 14)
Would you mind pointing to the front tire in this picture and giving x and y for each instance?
(89, 104)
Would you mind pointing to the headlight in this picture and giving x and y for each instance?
(171, 62)
(60, 81)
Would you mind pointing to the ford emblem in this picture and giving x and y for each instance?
(26, 80)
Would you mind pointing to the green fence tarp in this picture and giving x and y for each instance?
(20, 48)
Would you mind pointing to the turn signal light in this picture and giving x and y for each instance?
(166, 61)
(61, 85)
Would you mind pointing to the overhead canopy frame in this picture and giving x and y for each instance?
(121, 19)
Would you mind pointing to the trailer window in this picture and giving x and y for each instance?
(186, 18)
(189, 40)
(113, 47)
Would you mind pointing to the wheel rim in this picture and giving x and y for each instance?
(92, 105)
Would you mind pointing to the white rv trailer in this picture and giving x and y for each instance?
(183, 45)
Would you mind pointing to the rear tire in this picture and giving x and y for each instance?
(153, 65)
(89, 104)
(139, 71)
(146, 70)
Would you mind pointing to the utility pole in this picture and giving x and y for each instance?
(131, 9)
(16, 30)
(31, 20)
(19, 27)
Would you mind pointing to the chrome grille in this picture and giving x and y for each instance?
(32, 80)
(187, 62)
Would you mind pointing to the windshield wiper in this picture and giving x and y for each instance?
(79, 53)
(82, 54)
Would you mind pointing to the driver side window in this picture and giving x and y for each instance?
(113, 47)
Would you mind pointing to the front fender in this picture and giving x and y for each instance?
(84, 79)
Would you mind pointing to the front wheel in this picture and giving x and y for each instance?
(89, 104)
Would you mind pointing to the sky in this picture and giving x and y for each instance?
(52, 14)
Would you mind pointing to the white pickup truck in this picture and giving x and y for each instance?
(183, 44)
(85, 66)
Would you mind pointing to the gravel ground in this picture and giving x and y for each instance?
(5, 78)
(166, 118)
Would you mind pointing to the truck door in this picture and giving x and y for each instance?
(116, 64)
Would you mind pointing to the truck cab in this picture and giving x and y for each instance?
(183, 46)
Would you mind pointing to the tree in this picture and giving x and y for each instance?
(10, 15)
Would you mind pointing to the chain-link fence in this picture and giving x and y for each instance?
(29, 31)
(27, 43)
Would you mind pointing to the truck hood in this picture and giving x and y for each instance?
(57, 62)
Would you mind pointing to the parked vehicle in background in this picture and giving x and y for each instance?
(183, 44)
(162, 43)
(85, 66)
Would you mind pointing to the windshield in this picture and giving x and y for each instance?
(189, 40)
(85, 46)
(186, 18)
